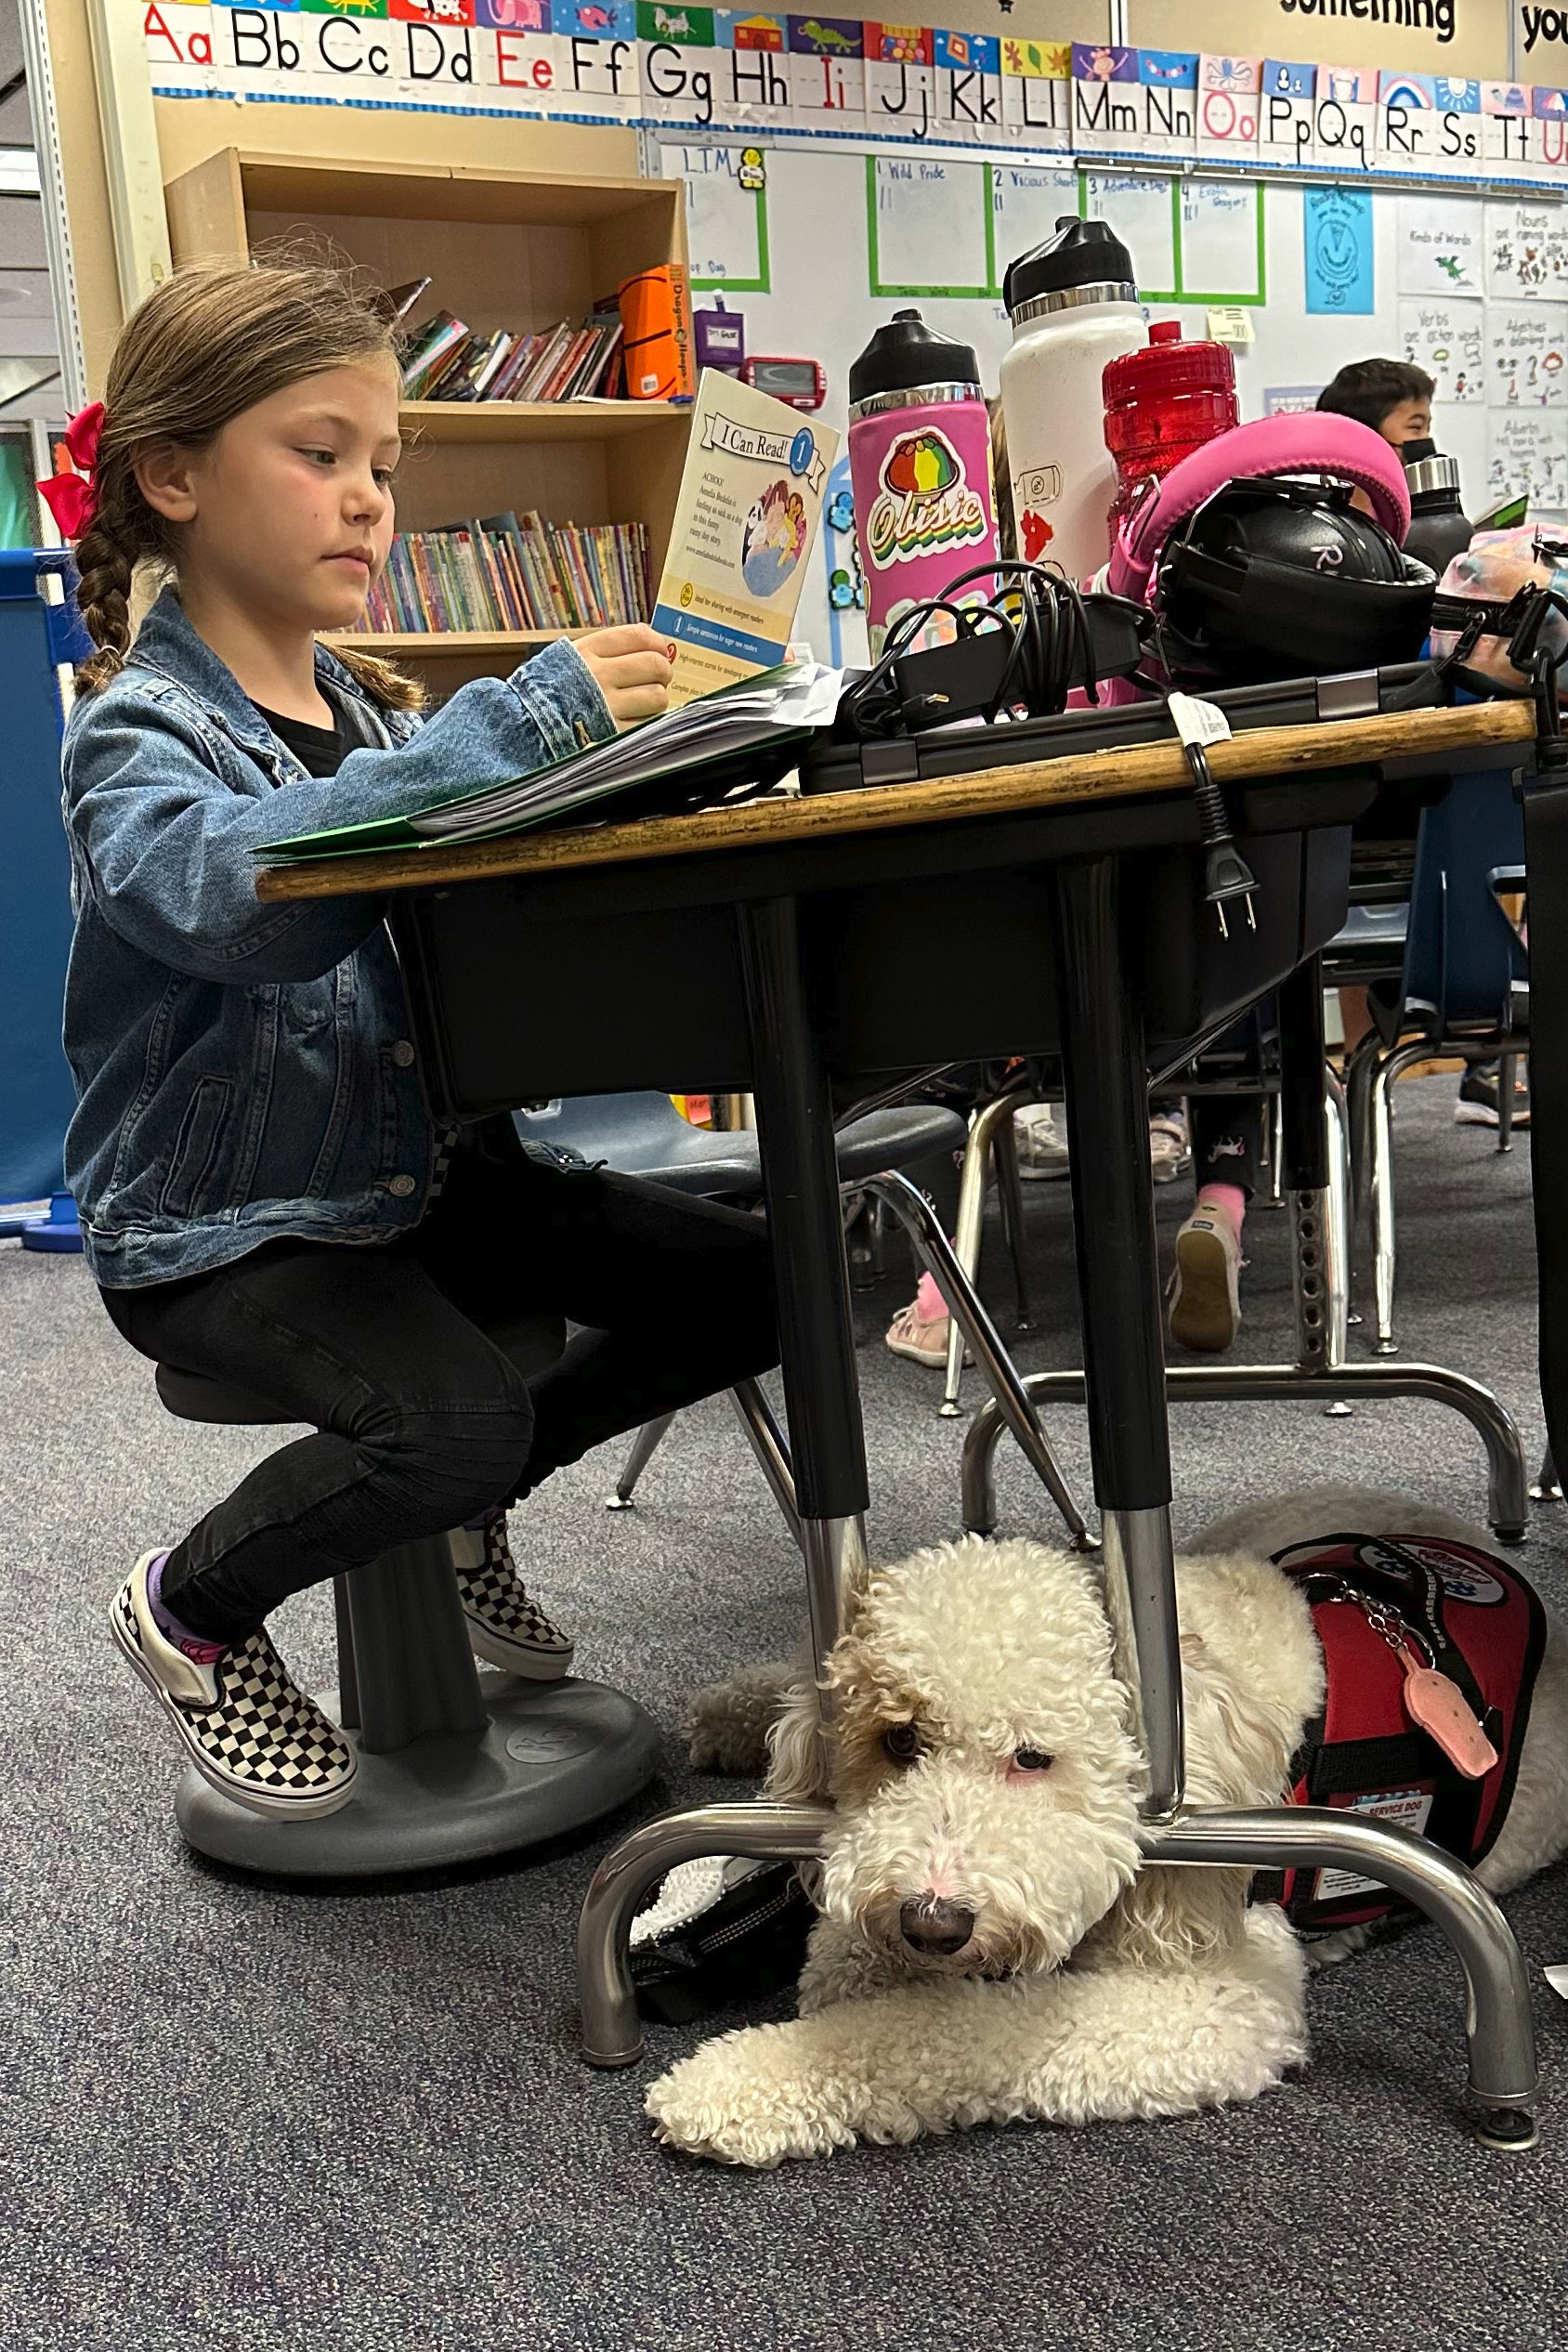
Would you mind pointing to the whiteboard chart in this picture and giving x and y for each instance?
(1139, 207)
(929, 227)
(1027, 200)
(1220, 241)
(727, 224)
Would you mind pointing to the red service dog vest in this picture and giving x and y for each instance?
(1376, 1601)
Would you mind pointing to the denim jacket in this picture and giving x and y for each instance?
(243, 1070)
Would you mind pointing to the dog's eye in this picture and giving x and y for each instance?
(902, 1741)
(1032, 1759)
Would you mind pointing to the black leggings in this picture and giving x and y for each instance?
(421, 1421)
(1227, 1132)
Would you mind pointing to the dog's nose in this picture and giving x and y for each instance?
(935, 1926)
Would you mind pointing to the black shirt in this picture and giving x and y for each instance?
(320, 750)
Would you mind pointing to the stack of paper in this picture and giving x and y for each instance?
(710, 733)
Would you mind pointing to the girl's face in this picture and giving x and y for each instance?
(288, 510)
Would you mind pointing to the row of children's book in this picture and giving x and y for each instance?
(503, 573)
(446, 361)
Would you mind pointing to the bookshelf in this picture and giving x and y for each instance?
(502, 249)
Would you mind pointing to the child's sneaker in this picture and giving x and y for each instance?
(1477, 1103)
(1205, 1299)
(242, 1719)
(1042, 1153)
(919, 1330)
(505, 1625)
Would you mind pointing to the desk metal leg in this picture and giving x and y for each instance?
(1502, 2054)
(1118, 1281)
(611, 2033)
(826, 1449)
(1506, 1511)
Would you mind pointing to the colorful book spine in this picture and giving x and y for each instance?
(503, 574)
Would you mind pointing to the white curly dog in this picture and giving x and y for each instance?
(989, 1948)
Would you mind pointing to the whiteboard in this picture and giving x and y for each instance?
(929, 226)
(820, 303)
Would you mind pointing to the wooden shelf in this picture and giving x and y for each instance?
(508, 249)
(451, 645)
(538, 420)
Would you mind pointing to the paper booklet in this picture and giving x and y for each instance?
(750, 500)
(686, 754)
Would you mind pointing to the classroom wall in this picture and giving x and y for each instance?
(1336, 32)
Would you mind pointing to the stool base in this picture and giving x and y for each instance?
(552, 1758)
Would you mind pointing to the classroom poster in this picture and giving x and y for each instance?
(1337, 225)
(1446, 339)
(1525, 347)
(751, 498)
(1527, 450)
(1441, 246)
(1526, 253)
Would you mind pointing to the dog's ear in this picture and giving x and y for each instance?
(797, 1768)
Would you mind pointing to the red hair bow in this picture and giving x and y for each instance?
(72, 498)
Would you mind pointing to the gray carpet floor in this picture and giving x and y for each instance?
(232, 2114)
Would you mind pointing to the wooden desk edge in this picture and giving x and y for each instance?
(1084, 778)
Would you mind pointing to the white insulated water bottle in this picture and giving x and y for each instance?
(1073, 306)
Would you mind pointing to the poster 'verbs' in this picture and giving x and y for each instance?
(749, 504)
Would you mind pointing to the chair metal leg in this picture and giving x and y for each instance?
(767, 1441)
(1010, 1199)
(1390, 1067)
(966, 1240)
(1360, 1070)
(1506, 1508)
(1274, 1197)
(1506, 1064)
(644, 1446)
(1320, 1252)
(971, 1321)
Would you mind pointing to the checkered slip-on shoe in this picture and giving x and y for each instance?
(243, 1720)
(505, 1625)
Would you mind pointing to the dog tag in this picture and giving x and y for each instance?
(1439, 1706)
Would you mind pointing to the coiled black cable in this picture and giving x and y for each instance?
(1042, 611)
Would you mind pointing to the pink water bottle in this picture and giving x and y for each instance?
(920, 460)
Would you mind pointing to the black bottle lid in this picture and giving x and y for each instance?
(906, 354)
(1082, 252)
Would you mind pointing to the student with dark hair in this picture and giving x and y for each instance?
(1396, 399)
(1390, 396)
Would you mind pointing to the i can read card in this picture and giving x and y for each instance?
(750, 504)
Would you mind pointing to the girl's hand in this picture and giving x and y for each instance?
(630, 668)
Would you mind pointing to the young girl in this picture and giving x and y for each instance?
(263, 1198)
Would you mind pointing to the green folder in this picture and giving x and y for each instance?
(690, 760)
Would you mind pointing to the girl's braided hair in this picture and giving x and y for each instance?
(205, 345)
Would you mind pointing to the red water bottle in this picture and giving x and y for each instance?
(1162, 402)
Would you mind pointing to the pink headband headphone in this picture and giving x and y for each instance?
(1313, 444)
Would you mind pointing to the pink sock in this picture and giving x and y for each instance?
(1224, 1200)
(928, 1301)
